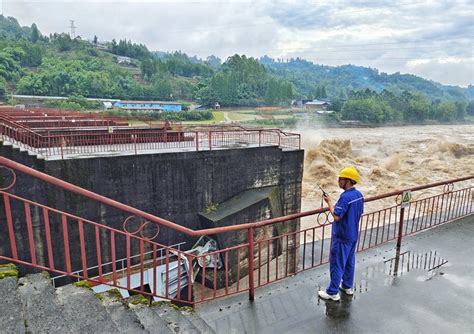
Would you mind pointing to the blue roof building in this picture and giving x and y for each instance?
(149, 106)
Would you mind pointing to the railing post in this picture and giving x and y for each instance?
(135, 143)
(62, 151)
(210, 140)
(251, 269)
(259, 138)
(400, 228)
(190, 278)
(197, 140)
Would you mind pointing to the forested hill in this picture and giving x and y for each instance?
(341, 80)
(56, 65)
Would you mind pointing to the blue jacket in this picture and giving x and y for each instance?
(349, 209)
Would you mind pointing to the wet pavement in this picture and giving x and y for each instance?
(430, 290)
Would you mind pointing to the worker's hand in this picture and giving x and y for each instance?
(327, 199)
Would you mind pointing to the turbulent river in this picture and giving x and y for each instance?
(388, 158)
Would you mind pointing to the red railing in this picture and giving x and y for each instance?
(35, 235)
(129, 140)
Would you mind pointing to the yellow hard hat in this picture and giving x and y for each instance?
(350, 173)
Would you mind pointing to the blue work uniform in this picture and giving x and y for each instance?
(345, 232)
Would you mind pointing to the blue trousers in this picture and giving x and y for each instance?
(341, 265)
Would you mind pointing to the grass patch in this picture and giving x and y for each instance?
(217, 116)
(115, 292)
(238, 116)
(174, 306)
(8, 270)
(138, 299)
(212, 207)
(83, 284)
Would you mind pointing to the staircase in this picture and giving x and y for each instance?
(31, 305)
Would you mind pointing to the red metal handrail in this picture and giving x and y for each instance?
(80, 141)
(270, 258)
(107, 201)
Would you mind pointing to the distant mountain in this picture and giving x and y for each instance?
(340, 80)
(31, 63)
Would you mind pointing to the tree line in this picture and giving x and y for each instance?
(58, 65)
(370, 107)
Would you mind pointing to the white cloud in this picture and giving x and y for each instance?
(451, 71)
(432, 39)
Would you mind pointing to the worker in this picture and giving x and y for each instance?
(345, 232)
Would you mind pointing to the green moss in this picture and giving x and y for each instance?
(173, 306)
(138, 299)
(8, 270)
(176, 307)
(83, 284)
(115, 292)
(99, 296)
(188, 309)
(46, 274)
(212, 207)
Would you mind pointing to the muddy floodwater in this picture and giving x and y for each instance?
(388, 158)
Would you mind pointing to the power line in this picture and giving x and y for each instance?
(345, 46)
(404, 58)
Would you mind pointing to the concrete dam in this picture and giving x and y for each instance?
(239, 176)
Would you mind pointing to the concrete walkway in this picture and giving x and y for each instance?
(420, 299)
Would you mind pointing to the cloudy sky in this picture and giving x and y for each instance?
(432, 39)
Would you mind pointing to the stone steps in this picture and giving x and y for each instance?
(21, 150)
(10, 306)
(31, 305)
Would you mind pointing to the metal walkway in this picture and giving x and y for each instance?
(419, 299)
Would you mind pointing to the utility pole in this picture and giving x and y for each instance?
(73, 29)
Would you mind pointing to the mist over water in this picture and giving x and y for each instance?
(388, 158)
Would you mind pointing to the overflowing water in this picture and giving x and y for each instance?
(388, 158)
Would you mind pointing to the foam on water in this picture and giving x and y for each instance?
(388, 158)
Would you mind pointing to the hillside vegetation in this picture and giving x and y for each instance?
(56, 65)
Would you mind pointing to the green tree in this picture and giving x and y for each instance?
(461, 108)
(470, 108)
(148, 68)
(63, 42)
(34, 33)
(323, 93)
(113, 46)
(416, 107)
(33, 54)
(317, 93)
(162, 88)
(366, 110)
(446, 111)
(3, 88)
(10, 63)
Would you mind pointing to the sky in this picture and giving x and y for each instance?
(431, 39)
